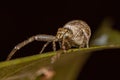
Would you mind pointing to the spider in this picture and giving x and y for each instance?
(75, 33)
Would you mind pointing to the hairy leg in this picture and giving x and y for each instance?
(41, 37)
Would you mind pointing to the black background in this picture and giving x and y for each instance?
(102, 65)
(22, 19)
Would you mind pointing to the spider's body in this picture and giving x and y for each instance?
(74, 33)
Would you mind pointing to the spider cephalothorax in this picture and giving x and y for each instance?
(74, 33)
(64, 36)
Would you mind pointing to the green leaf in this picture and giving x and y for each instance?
(66, 67)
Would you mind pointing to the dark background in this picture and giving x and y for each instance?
(21, 19)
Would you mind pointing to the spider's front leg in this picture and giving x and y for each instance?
(40, 37)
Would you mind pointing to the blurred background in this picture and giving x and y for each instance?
(21, 19)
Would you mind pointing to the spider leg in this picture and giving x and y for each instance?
(45, 45)
(87, 37)
(63, 45)
(54, 46)
(40, 37)
(68, 43)
(19, 46)
(87, 44)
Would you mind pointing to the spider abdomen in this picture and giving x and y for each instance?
(81, 32)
